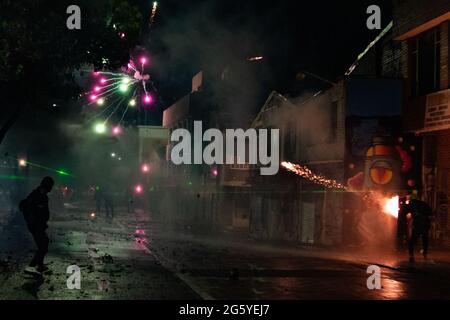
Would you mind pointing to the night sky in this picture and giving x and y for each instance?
(322, 37)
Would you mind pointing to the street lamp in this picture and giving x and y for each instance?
(22, 162)
(138, 188)
(145, 168)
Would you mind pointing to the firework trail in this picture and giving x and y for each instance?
(372, 198)
(153, 13)
(257, 58)
(306, 173)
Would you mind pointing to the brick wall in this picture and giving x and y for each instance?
(409, 14)
(394, 60)
(445, 81)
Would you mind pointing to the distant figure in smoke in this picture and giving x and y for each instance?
(109, 202)
(421, 222)
(36, 214)
(129, 200)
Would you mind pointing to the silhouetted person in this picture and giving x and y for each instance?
(98, 197)
(129, 200)
(109, 202)
(421, 223)
(36, 214)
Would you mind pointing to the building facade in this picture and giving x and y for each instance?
(211, 196)
(328, 132)
(421, 29)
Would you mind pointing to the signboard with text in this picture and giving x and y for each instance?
(437, 111)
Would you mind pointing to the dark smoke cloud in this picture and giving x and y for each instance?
(216, 37)
(323, 37)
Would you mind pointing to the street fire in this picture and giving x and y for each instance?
(306, 173)
(391, 207)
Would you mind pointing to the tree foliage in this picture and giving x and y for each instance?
(38, 53)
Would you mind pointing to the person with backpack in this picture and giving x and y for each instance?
(36, 213)
(421, 214)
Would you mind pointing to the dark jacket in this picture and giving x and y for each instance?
(35, 209)
(421, 213)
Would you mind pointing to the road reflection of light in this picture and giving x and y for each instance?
(287, 283)
(139, 232)
(392, 289)
(140, 239)
(286, 287)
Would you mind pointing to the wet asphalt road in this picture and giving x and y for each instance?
(113, 265)
(135, 257)
(234, 271)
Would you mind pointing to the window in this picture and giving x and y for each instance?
(425, 62)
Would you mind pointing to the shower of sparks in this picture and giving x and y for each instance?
(306, 173)
(388, 205)
(121, 90)
(153, 13)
